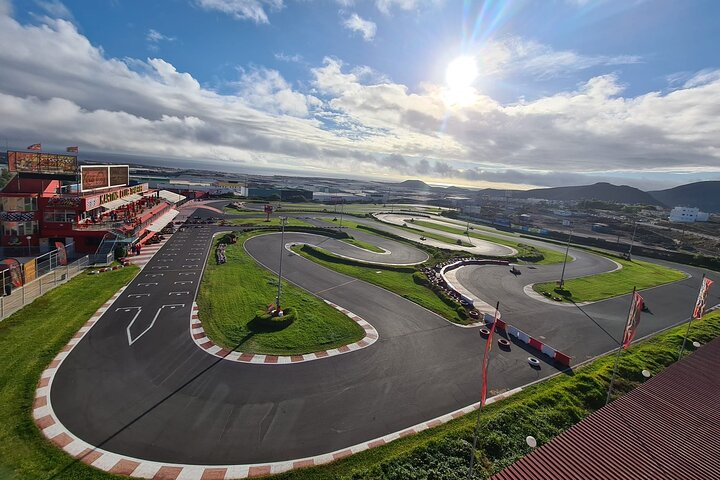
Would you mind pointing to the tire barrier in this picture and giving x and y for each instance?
(556, 355)
(436, 275)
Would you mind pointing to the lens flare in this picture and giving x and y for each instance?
(461, 73)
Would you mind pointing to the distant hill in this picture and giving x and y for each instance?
(703, 195)
(603, 191)
(414, 184)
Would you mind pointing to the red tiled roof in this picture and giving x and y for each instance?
(667, 428)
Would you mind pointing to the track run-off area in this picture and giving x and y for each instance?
(135, 394)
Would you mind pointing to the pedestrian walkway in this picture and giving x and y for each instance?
(146, 253)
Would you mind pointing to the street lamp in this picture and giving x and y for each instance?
(28, 238)
(282, 247)
(632, 240)
(567, 249)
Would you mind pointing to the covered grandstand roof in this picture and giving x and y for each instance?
(667, 428)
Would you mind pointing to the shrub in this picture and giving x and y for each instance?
(268, 321)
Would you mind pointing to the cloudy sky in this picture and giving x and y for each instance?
(484, 93)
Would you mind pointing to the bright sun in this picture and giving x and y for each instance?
(461, 73)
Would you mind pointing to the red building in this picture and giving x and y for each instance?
(40, 209)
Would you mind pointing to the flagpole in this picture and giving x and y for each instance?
(620, 349)
(687, 332)
(482, 400)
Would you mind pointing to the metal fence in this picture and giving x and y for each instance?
(24, 295)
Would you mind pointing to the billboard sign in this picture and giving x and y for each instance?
(36, 162)
(103, 176)
(119, 175)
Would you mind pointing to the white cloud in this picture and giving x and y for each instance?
(268, 91)
(357, 24)
(284, 57)
(6, 7)
(254, 10)
(387, 6)
(349, 121)
(154, 37)
(515, 55)
(55, 9)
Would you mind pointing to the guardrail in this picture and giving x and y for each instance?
(21, 296)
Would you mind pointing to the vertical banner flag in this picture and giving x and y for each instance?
(633, 319)
(488, 346)
(62, 253)
(702, 296)
(35, 146)
(71, 149)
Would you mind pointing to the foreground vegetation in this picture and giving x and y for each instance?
(635, 273)
(403, 281)
(29, 340)
(232, 294)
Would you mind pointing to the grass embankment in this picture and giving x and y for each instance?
(361, 244)
(528, 253)
(274, 222)
(231, 295)
(399, 280)
(543, 411)
(29, 340)
(634, 273)
(349, 226)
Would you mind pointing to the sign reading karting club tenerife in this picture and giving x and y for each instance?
(103, 176)
(36, 162)
(98, 200)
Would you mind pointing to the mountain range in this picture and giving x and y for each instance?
(703, 195)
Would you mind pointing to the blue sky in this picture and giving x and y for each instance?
(562, 91)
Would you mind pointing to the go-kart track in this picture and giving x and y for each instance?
(134, 394)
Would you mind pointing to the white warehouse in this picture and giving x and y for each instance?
(688, 214)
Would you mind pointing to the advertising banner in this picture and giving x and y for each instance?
(36, 162)
(119, 175)
(30, 269)
(15, 272)
(92, 178)
(104, 176)
(62, 254)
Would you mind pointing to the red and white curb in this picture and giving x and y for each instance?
(110, 462)
(201, 340)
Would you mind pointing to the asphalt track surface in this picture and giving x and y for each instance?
(153, 394)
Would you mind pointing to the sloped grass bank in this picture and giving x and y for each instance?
(232, 293)
(401, 280)
(543, 410)
(29, 340)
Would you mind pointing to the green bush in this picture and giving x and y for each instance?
(266, 320)
(421, 279)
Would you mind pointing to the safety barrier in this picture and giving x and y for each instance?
(556, 355)
(461, 263)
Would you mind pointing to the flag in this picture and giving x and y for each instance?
(633, 319)
(488, 346)
(35, 146)
(71, 149)
(702, 296)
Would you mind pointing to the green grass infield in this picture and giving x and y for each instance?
(634, 273)
(231, 295)
(29, 340)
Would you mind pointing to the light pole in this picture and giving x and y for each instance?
(342, 210)
(28, 238)
(282, 247)
(632, 240)
(567, 249)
